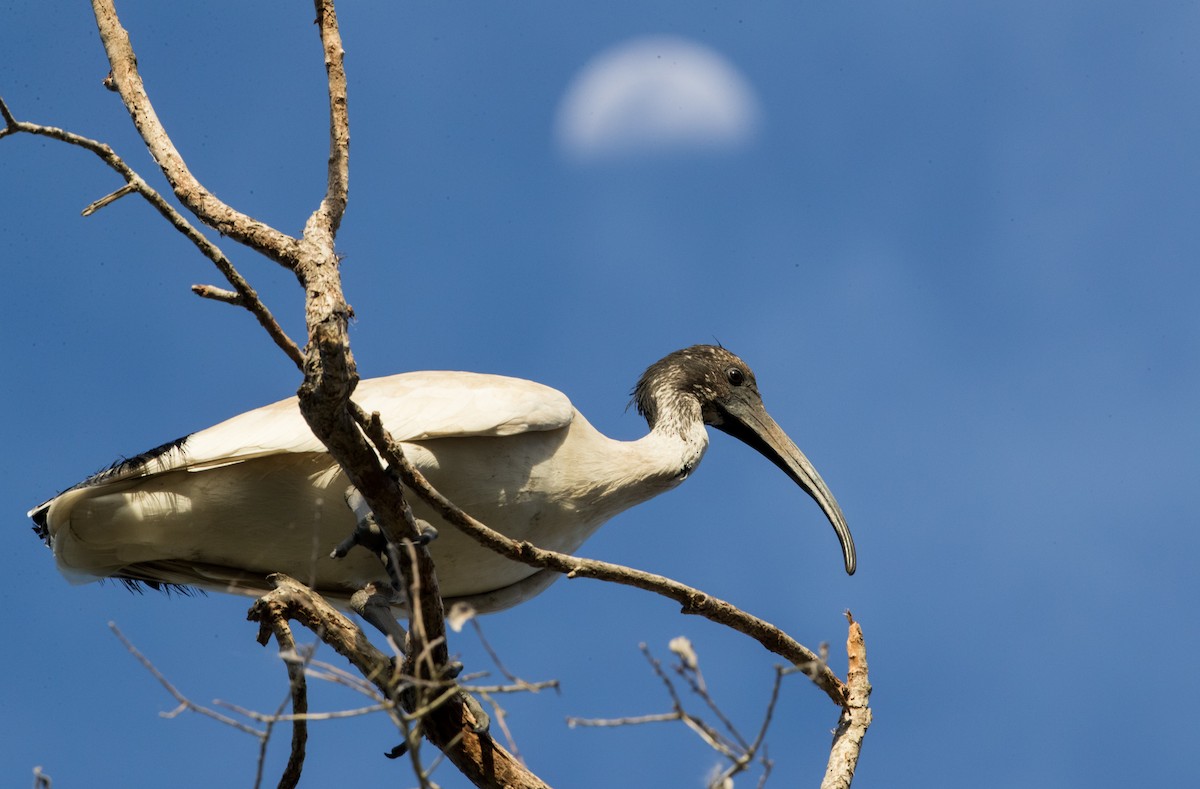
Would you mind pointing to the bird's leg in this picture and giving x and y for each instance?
(368, 603)
(483, 721)
(368, 534)
(376, 608)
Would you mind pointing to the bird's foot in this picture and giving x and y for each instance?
(368, 534)
(366, 530)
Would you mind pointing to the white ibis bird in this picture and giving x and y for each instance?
(224, 508)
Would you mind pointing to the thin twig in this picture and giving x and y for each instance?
(757, 748)
(333, 206)
(737, 751)
(522, 686)
(707, 733)
(184, 702)
(780, 673)
(292, 600)
(768, 765)
(263, 717)
(109, 198)
(696, 685)
(520, 683)
(330, 673)
(499, 717)
(219, 294)
(248, 297)
(10, 127)
(660, 717)
(299, 696)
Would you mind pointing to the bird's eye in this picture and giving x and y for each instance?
(735, 376)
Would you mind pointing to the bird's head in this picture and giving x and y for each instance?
(725, 391)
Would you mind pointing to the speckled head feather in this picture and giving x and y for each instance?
(705, 372)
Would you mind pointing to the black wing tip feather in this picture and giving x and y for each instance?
(132, 465)
(140, 585)
(118, 468)
(41, 525)
(121, 468)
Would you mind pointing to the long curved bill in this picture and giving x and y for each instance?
(749, 422)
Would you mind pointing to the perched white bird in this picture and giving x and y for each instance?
(224, 508)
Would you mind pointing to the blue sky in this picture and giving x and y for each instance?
(958, 247)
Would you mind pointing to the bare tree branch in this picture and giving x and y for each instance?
(108, 198)
(330, 378)
(330, 373)
(205, 205)
(247, 297)
(218, 294)
(734, 749)
(299, 693)
(632, 720)
(337, 189)
(480, 759)
(263, 717)
(856, 715)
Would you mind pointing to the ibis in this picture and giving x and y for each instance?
(224, 508)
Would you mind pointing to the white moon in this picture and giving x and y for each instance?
(655, 94)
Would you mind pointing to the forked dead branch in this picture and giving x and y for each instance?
(374, 462)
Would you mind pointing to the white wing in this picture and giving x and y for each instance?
(414, 406)
(419, 406)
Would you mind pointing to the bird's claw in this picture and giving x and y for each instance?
(483, 722)
(366, 530)
(368, 534)
(426, 533)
